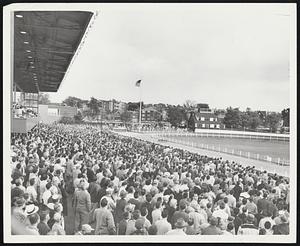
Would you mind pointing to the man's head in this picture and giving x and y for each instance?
(213, 221)
(34, 219)
(164, 213)
(103, 202)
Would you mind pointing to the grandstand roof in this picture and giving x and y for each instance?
(44, 45)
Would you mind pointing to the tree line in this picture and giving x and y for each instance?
(180, 115)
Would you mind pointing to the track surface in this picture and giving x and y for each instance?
(274, 149)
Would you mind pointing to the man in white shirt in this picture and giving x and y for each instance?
(163, 226)
(198, 218)
(156, 213)
(220, 213)
(47, 194)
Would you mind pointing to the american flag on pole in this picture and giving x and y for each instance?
(138, 83)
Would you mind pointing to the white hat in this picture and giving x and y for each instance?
(31, 209)
(167, 174)
(57, 216)
(55, 196)
(50, 205)
(55, 179)
(87, 228)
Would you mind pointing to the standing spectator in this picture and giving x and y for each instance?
(57, 228)
(105, 224)
(131, 223)
(82, 206)
(140, 230)
(180, 214)
(212, 229)
(180, 224)
(120, 207)
(283, 227)
(33, 219)
(163, 226)
(248, 228)
(43, 226)
(156, 213)
(122, 227)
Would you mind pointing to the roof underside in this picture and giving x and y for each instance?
(44, 45)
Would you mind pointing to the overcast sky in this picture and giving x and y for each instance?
(223, 56)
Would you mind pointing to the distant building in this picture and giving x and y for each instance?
(206, 118)
(150, 114)
(134, 116)
(49, 113)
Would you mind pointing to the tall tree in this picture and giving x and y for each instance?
(273, 121)
(191, 124)
(232, 118)
(78, 117)
(189, 104)
(176, 115)
(73, 102)
(285, 115)
(133, 106)
(254, 121)
(94, 105)
(44, 98)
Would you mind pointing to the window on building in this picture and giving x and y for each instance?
(212, 126)
(211, 119)
(217, 126)
(202, 119)
(53, 111)
(203, 125)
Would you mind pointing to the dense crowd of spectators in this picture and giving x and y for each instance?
(116, 185)
(20, 111)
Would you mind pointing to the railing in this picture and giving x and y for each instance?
(212, 133)
(220, 149)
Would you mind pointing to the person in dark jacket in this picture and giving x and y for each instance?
(123, 224)
(120, 207)
(283, 228)
(42, 226)
(212, 229)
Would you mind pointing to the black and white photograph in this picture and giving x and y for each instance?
(149, 122)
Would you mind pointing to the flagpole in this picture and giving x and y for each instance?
(140, 115)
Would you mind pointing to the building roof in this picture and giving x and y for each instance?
(44, 45)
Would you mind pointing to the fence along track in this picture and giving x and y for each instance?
(167, 136)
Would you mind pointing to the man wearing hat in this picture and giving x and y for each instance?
(283, 228)
(248, 228)
(212, 229)
(43, 227)
(33, 220)
(180, 226)
(82, 206)
(86, 229)
(120, 207)
(18, 209)
(105, 224)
